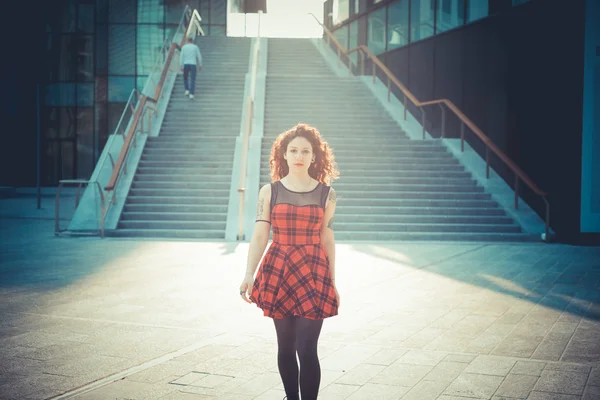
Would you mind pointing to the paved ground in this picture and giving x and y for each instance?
(86, 318)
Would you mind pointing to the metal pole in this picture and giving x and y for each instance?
(38, 150)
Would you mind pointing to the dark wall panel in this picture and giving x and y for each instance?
(420, 69)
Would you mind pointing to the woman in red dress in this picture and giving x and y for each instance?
(295, 284)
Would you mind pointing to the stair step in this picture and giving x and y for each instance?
(198, 165)
(366, 211)
(401, 194)
(366, 170)
(377, 220)
(183, 192)
(172, 199)
(172, 216)
(425, 227)
(186, 151)
(180, 184)
(215, 209)
(417, 202)
(393, 182)
(350, 236)
(398, 190)
(183, 170)
(196, 225)
(168, 233)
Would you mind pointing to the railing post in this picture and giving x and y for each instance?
(362, 62)
(423, 121)
(405, 105)
(374, 71)
(487, 162)
(462, 136)
(516, 191)
(443, 121)
(389, 89)
(77, 195)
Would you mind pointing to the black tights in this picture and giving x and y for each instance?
(296, 334)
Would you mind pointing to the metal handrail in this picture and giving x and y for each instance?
(141, 108)
(249, 118)
(520, 175)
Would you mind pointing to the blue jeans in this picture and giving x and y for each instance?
(189, 69)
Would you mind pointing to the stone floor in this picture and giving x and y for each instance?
(86, 318)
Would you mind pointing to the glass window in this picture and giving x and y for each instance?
(60, 94)
(218, 12)
(68, 122)
(376, 31)
(68, 17)
(50, 121)
(216, 30)
(85, 94)
(341, 35)
(421, 19)
(67, 153)
(121, 50)
(355, 7)
(476, 9)
(450, 14)
(62, 58)
(397, 24)
(149, 42)
(150, 11)
(115, 111)
(101, 50)
(353, 41)
(119, 88)
(85, 142)
(121, 11)
(101, 11)
(174, 11)
(85, 58)
(85, 19)
(341, 11)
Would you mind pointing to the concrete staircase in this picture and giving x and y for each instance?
(181, 186)
(390, 187)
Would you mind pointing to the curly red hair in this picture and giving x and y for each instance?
(324, 169)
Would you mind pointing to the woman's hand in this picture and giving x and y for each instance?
(246, 288)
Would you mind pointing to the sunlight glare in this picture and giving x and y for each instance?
(284, 18)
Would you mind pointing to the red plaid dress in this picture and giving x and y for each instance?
(294, 278)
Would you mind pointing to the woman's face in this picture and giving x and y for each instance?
(299, 154)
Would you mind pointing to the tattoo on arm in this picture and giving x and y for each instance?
(261, 208)
(332, 196)
(330, 224)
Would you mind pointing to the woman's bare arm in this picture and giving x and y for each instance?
(262, 228)
(327, 236)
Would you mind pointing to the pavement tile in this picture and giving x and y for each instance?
(567, 382)
(491, 365)
(517, 386)
(474, 385)
(378, 391)
(533, 368)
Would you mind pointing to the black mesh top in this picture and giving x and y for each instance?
(281, 195)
